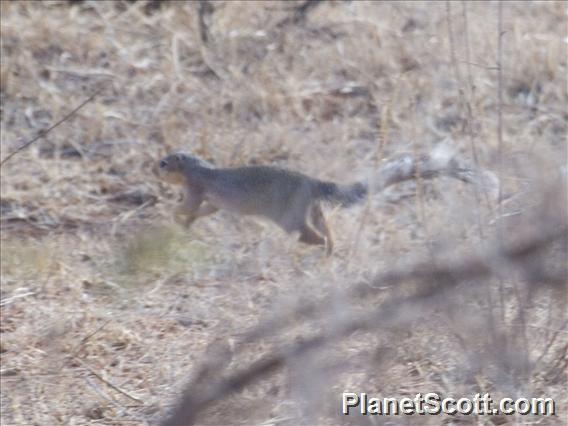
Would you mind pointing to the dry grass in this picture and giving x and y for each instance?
(107, 307)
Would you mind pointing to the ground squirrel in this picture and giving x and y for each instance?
(290, 199)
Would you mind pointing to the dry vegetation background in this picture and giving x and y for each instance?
(108, 307)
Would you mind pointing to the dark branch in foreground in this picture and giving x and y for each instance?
(300, 13)
(433, 281)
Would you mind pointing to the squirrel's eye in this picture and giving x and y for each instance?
(163, 163)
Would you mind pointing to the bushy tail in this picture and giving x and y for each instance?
(345, 195)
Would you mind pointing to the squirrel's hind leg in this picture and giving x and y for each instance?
(206, 209)
(319, 222)
(309, 236)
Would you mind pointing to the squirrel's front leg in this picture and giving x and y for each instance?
(188, 210)
(186, 217)
(205, 210)
(183, 216)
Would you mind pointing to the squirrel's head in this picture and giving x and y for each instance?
(175, 168)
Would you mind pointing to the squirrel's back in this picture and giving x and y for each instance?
(273, 183)
(263, 190)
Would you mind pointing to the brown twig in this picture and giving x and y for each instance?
(500, 35)
(468, 102)
(420, 205)
(382, 140)
(109, 384)
(88, 336)
(500, 139)
(43, 133)
(465, 103)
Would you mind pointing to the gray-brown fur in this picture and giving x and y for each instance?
(288, 198)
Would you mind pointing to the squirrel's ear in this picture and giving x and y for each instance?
(178, 157)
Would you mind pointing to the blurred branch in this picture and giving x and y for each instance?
(434, 280)
(300, 13)
(204, 11)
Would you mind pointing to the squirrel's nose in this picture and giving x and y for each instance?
(163, 164)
